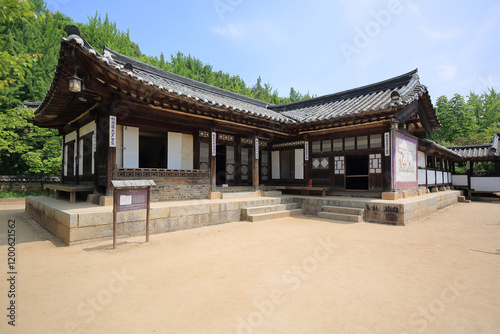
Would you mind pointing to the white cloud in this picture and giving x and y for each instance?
(440, 35)
(231, 30)
(257, 31)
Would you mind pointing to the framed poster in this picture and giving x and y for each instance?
(404, 161)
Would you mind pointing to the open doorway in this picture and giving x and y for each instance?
(357, 172)
(221, 164)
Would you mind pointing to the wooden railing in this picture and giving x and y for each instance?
(125, 173)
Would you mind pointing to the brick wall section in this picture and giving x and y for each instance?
(179, 188)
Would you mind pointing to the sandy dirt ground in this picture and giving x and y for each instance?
(440, 274)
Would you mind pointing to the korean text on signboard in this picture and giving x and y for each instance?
(214, 144)
(306, 151)
(132, 199)
(112, 131)
(257, 148)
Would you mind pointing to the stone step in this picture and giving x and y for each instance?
(239, 195)
(340, 217)
(268, 208)
(461, 199)
(345, 210)
(274, 215)
(271, 193)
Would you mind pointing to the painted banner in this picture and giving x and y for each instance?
(405, 161)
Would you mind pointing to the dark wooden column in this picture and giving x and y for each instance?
(196, 149)
(63, 158)
(237, 160)
(470, 172)
(213, 159)
(77, 167)
(255, 163)
(307, 163)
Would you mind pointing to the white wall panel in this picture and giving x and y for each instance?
(187, 152)
(130, 147)
(174, 150)
(299, 164)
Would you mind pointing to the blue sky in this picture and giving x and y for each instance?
(319, 46)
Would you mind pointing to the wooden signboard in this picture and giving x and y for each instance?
(131, 195)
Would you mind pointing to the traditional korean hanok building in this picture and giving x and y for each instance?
(474, 181)
(131, 120)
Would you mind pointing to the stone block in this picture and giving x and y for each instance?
(93, 198)
(203, 219)
(130, 216)
(214, 207)
(136, 227)
(67, 219)
(106, 201)
(390, 195)
(161, 224)
(189, 210)
(214, 195)
(434, 190)
(214, 218)
(94, 232)
(95, 219)
(406, 194)
(159, 213)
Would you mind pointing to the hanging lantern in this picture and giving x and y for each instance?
(75, 82)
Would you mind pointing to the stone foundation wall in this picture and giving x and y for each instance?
(74, 228)
(401, 214)
(20, 183)
(385, 212)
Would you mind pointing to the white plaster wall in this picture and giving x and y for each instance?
(174, 150)
(421, 176)
(421, 159)
(299, 164)
(431, 177)
(459, 180)
(187, 151)
(485, 183)
(439, 175)
(87, 128)
(130, 147)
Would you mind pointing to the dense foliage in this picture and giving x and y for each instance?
(30, 43)
(467, 120)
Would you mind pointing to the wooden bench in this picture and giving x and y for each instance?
(308, 190)
(69, 188)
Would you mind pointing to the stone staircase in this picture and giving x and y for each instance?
(275, 211)
(341, 214)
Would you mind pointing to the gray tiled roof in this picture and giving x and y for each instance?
(356, 101)
(373, 97)
(479, 151)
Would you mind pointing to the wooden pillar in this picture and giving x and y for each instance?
(237, 160)
(213, 159)
(470, 172)
(255, 162)
(307, 162)
(77, 167)
(63, 158)
(196, 149)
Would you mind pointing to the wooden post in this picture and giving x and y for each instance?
(77, 167)
(255, 162)
(115, 208)
(147, 213)
(213, 159)
(307, 165)
(64, 158)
